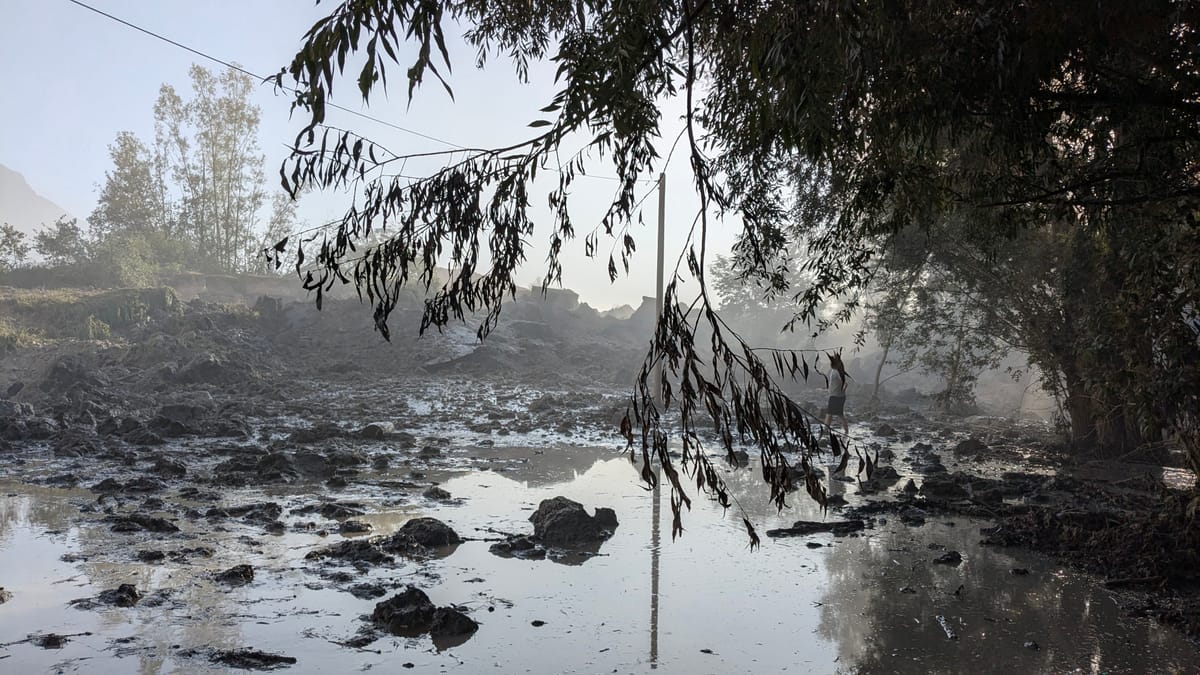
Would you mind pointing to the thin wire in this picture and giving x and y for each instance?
(256, 76)
(242, 70)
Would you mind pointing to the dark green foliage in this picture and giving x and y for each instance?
(825, 129)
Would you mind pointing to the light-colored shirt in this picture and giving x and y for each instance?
(837, 384)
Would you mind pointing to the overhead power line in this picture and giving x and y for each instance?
(235, 67)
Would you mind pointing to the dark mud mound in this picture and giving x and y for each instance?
(125, 595)
(564, 522)
(241, 659)
(410, 613)
(562, 532)
(418, 538)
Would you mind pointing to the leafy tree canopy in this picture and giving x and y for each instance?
(818, 128)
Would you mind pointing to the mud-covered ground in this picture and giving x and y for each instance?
(214, 488)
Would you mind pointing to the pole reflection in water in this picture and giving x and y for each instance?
(654, 551)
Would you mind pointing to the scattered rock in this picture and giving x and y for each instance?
(353, 550)
(410, 613)
(368, 591)
(50, 641)
(353, 527)
(137, 523)
(953, 558)
(804, 527)
(1031, 645)
(251, 659)
(437, 494)
(970, 446)
(885, 430)
(563, 522)
(377, 431)
(239, 575)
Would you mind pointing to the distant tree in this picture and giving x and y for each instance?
(62, 244)
(131, 199)
(13, 249)
(207, 152)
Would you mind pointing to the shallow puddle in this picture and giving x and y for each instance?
(703, 603)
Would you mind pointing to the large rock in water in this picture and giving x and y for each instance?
(410, 613)
(428, 532)
(563, 522)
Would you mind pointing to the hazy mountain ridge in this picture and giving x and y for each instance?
(22, 207)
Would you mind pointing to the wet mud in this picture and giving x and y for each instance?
(191, 502)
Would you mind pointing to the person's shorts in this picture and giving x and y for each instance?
(837, 406)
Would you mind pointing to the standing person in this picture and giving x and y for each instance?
(837, 393)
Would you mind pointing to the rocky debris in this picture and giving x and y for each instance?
(5, 595)
(317, 432)
(238, 575)
(256, 470)
(353, 527)
(243, 659)
(353, 551)
(885, 430)
(952, 558)
(261, 512)
(410, 613)
(332, 510)
(802, 528)
(142, 484)
(208, 369)
(523, 547)
(970, 446)
(367, 591)
(50, 640)
(943, 488)
(419, 535)
(138, 522)
(377, 431)
(125, 595)
(437, 494)
(168, 468)
(910, 488)
(563, 522)
(150, 556)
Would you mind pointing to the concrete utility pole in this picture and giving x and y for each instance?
(656, 513)
(658, 304)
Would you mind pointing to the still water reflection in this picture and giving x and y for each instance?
(700, 604)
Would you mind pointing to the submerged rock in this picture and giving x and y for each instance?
(436, 493)
(804, 527)
(563, 522)
(251, 659)
(239, 575)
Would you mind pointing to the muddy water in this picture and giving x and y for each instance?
(701, 604)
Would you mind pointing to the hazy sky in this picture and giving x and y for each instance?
(73, 80)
